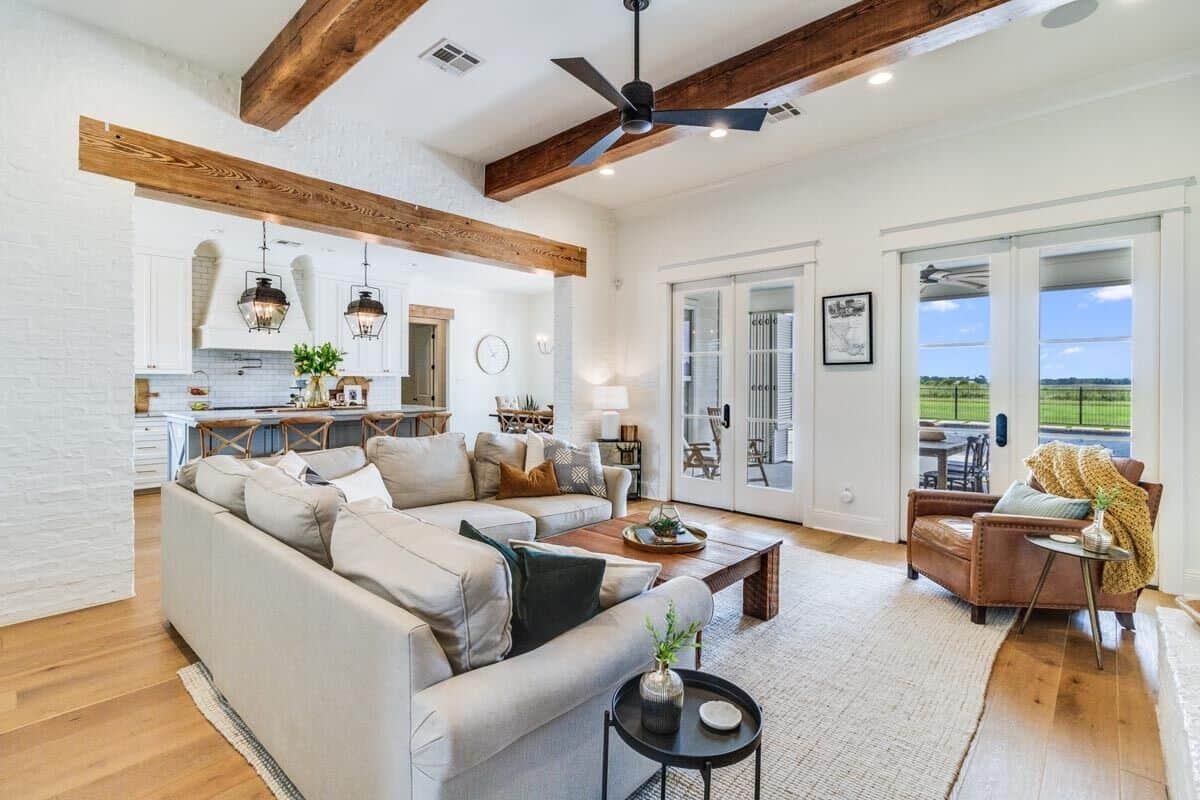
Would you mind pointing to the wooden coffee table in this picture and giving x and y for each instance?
(730, 556)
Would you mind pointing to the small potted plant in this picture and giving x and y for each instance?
(1095, 537)
(661, 689)
(317, 363)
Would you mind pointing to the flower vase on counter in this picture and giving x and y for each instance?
(316, 393)
(317, 363)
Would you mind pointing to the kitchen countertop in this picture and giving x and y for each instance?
(192, 418)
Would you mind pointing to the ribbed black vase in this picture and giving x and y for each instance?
(661, 691)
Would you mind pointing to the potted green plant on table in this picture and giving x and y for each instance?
(661, 689)
(318, 363)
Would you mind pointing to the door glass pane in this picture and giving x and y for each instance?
(770, 433)
(700, 383)
(954, 361)
(1086, 330)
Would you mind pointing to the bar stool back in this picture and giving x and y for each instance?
(305, 433)
(431, 423)
(232, 437)
(383, 423)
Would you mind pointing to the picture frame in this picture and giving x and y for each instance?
(353, 394)
(847, 329)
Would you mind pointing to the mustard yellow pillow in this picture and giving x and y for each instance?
(537, 482)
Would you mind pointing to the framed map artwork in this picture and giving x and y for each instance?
(846, 329)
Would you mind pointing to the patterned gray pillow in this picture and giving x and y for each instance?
(577, 469)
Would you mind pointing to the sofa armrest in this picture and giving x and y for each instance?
(616, 481)
(461, 722)
(931, 502)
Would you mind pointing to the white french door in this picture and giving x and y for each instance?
(738, 355)
(1012, 342)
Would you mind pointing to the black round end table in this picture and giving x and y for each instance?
(1076, 550)
(695, 745)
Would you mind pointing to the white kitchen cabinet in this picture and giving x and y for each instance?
(149, 452)
(327, 298)
(162, 314)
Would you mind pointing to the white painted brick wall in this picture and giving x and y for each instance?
(66, 391)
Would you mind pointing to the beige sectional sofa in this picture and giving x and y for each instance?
(354, 696)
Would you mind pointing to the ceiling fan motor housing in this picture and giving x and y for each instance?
(640, 118)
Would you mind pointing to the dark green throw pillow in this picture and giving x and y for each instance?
(552, 593)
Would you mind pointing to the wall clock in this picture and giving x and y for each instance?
(491, 354)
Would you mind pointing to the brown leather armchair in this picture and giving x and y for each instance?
(955, 540)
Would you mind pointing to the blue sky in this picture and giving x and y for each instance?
(1065, 314)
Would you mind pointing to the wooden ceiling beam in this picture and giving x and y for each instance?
(183, 173)
(854, 40)
(320, 43)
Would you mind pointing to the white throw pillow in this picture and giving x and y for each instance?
(623, 577)
(535, 450)
(365, 483)
(461, 588)
(292, 465)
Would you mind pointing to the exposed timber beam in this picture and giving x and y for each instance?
(187, 174)
(319, 44)
(849, 42)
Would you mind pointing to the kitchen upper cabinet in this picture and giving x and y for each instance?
(387, 356)
(162, 314)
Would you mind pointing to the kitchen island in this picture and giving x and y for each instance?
(183, 436)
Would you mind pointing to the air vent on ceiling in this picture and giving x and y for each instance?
(783, 112)
(450, 57)
(287, 243)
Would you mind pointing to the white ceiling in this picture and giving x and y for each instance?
(517, 97)
(166, 226)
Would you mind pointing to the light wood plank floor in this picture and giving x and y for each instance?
(90, 706)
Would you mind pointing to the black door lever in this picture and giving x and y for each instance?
(1001, 430)
(725, 416)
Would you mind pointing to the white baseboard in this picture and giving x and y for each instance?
(851, 524)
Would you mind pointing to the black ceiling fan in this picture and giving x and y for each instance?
(635, 100)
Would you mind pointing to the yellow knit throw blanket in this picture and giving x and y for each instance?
(1069, 470)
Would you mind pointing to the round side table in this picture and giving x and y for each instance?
(694, 745)
(1075, 550)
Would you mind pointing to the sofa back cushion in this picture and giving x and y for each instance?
(492, 450)
(336, 463)
(297, 514)
(423, 470)
(222, 479)
(461, 588)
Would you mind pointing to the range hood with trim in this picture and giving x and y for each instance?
(223, 327)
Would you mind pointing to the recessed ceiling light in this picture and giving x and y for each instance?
(606, 171)
(718, 133)
(880, 78)
(1069, 14)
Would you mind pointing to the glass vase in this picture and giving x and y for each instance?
(316, 394)
(661, 692)
(1095, 538)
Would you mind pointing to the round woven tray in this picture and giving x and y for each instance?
(630, 536)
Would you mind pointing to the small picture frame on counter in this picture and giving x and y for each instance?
(353, 395)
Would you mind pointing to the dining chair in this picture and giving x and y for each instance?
(305, 433)
(381, 423)
(232, 437)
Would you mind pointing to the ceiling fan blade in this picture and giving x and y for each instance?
(584, 72)
(738, 119)
(597, 150)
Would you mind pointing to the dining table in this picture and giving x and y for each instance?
(942, 450)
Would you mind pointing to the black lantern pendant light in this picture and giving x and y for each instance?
(365, 314)
(262, 305)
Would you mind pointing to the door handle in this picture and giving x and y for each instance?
(1001, 430)
(725, 416)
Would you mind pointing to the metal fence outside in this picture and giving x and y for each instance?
(1088, 406)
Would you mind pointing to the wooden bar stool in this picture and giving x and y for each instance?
(431, 423)
(231, 437)
(305, 433)
(384, 423)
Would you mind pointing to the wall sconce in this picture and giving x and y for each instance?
(543, 344)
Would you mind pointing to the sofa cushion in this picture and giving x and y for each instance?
(185, 476)
(492, 450)
(489, 518)
(1025, 501)
(222, 479)
(537, 482)
(578, 469)
(461, 588)
(423, 470)
(297, 514)
(947, 533)
(564, 512)
(623, 577)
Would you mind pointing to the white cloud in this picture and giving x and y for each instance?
(939, 305)
(1112, 294)
(1070, 351)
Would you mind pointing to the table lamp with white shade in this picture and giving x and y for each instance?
(610, 400)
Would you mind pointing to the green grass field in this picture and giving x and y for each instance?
(1099, 407)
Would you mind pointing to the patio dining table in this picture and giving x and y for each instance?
(950, 446)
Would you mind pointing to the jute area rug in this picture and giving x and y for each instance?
(872, 686)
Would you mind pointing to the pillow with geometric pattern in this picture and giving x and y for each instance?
(578, 469)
